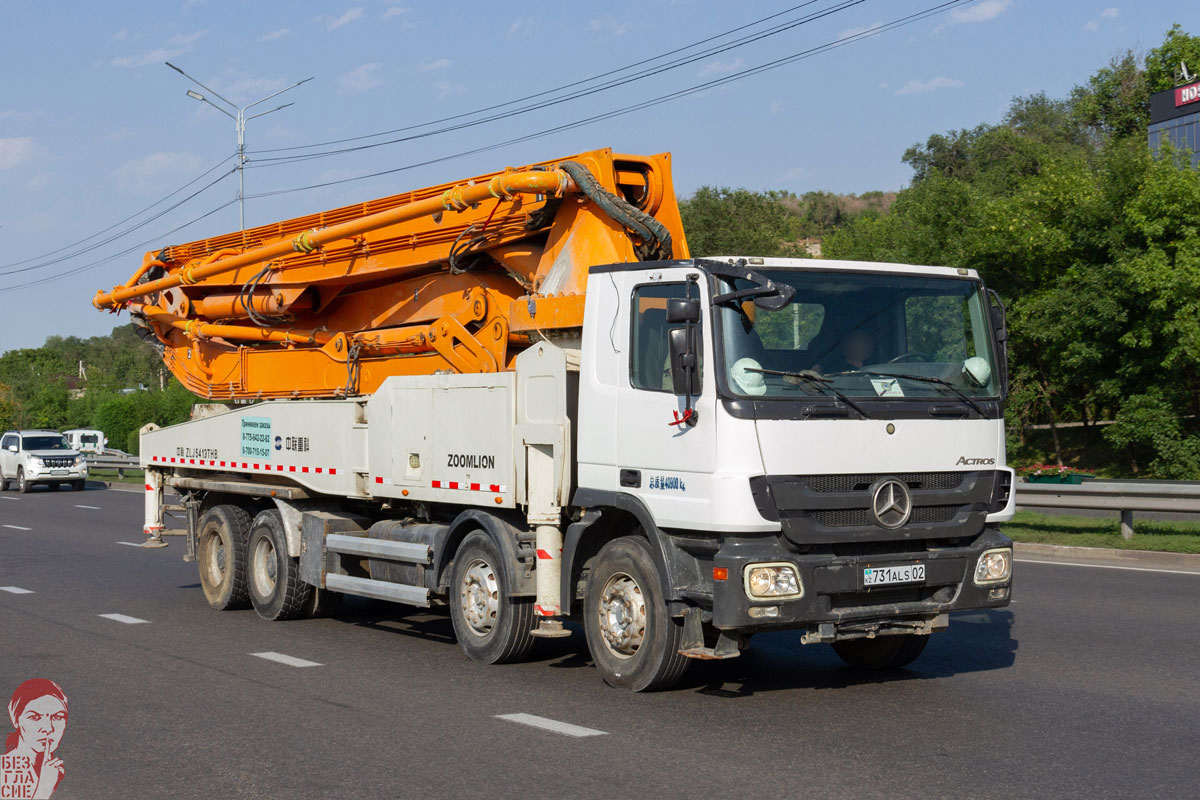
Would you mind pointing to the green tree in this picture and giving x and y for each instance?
(722, 221)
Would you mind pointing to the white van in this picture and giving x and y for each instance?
(86, 441)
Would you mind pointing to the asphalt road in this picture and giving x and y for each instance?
(1085, 687)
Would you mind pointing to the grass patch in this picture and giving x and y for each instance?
(131, 475)
(1167, 537)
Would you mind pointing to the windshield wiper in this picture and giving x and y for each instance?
(931, 379)
(815, 379)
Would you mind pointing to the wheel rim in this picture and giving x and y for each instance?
(622, 615)
(479, 597)
(216, 558)
(265, 566)
(21, 479)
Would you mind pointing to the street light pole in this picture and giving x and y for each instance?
(240, 119)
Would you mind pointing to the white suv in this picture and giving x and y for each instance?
(30, 457)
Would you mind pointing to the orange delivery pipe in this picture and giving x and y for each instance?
(457, 198)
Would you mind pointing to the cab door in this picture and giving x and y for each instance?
(668, 466)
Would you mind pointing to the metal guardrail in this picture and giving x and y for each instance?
(1123, 496)
(119, 463)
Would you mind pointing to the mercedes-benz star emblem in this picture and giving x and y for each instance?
(891, 503)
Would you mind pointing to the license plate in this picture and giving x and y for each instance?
(60, 472)
(884, 576)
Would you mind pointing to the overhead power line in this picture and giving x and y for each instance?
(701, 87)
(103, 231)
(580, 93)
(563, 87)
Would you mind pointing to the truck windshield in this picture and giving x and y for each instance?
(44, 443)
(863, 334)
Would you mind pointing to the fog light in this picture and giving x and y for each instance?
(763, 611)
(999, 593)
(995, 566)
(772, 580)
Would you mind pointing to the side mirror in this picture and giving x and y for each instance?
(679, 310)
(12, 448)
(685, 363)
(1000, 326)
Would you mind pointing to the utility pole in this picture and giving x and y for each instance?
(238, 115)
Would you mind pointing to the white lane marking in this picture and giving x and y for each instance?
(123, 618)
(131, 544)
(18, 527)
(93, 508)
(1104, 566)
(291, 661)
(14, 499)
(15, 590)
(554, 725)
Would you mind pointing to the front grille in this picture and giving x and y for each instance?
(858, 517)
(915, 480)
(58, 462)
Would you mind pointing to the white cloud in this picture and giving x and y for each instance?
(150, 173)
(522, 27)
(980, 12)
(931, 85)
(16, 151)
(244, 88)
(432, 65)
(120, 35)
(793, 174)
(179, 44)
(397, 11)
(362, 79)
(1109, 13)
(13, 115)
(777, 106)
(447, 89)
(348, 16)
(721, 67)
(185, 39)
(39, 181)
(1091, 26)
(608, 26)
(849, 32)
(273, 35)
(883, 86)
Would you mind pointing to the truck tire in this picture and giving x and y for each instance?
(23, 486)
(276, 591)
(492, 627)
(633, 640)
(221, 556)
(882, 653)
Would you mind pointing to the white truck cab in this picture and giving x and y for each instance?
(32, 457)
(87, 440)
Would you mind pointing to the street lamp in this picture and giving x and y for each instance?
(240, 119)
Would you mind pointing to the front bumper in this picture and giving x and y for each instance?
(835, 604)
(51, 475)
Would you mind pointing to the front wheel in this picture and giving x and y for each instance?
(79, 486)
(633, 640)
(492, 627)
(882, 653)
(276, 591)
(23, 484)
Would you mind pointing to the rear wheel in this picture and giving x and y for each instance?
(23, 485)
(884, 652)
(633, 640)
(492, 627)
(221, 556)
(3, 483)
(276, 591)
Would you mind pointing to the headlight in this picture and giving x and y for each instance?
(80, 459)
(995, 566)
(37, 462)
(772, 580)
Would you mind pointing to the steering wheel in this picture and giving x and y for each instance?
(909, 354)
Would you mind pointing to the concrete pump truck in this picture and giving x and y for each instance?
(519, 397)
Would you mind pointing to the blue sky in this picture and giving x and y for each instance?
(94, 127)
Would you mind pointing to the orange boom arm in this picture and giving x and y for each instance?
(457, 277)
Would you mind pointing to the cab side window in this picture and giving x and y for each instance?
(650, 354)
(7, 442)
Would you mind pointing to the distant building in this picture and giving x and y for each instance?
(1175, 119)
